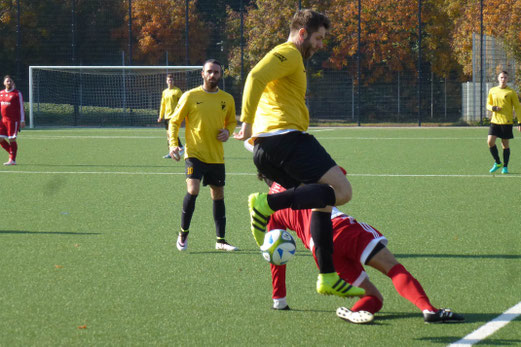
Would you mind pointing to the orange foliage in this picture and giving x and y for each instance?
(501, 19)
(158, 26)
(265, 26)
(389, 36)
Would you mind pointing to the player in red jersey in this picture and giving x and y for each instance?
(355, 244)
(13, 118)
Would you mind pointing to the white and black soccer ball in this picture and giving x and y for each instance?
(278, 247)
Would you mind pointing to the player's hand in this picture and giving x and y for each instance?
(159, 120)
(174, 153)
(244, 133)
(223, 135)
(22, 124)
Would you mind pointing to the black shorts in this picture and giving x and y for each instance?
(291, 159)
(503, 131)
(211, 174)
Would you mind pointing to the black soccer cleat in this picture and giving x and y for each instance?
(443, 315)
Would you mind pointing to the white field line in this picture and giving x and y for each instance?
(67, 137)
(490, 328)
(239, 174)
(349, 138)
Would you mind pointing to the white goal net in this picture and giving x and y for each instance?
(102, 95)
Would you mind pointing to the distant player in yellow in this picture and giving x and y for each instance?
(169, 100)
(275, 120)
(502, 101)
(209, 115)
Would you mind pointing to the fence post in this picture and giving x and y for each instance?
(187, 32)
(18, 41)
(419, 63)
(129, 32)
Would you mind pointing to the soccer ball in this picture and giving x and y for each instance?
(278, 247)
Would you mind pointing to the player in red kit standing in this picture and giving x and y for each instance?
(13, 118)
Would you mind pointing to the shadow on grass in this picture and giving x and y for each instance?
(461, 256)
(244, 251)
(44, 232)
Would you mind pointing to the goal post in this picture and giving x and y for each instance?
(102, 95)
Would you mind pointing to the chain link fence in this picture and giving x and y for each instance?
(98, 32)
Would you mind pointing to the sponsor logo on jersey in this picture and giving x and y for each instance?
(280, 57)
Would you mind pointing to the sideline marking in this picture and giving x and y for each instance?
(491, 327)
(111, 137)
(249, 174)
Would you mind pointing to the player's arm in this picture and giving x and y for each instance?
(517, 108)
(229, 123)
(490, 103)
(22, 110)
(162, 109)
(181, 112)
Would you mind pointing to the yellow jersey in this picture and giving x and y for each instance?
(507, 99)
(169, 101)
(274, 98)
(204, 113)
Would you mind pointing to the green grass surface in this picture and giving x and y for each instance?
(90, 217)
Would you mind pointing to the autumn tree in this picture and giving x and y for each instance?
(501, 19)
(389, 36)
(266, 24)
(158, 26)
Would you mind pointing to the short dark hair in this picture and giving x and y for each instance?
(506, 73)
(309, 20)
(170, 75)
(7, 76)
(214, 61)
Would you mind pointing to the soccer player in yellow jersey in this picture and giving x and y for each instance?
(169, 99)
(275, 120)
(502, 101)
(209, 115)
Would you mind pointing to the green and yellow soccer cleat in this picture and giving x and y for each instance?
(260, 213)
(332, 284)
(504, 170)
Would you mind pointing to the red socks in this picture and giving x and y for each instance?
(14, 149)
(5, 145)
(367, 303)
(408, 287)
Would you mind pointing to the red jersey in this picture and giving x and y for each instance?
(12, 105)
(353, 242)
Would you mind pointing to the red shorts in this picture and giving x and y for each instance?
(9, 128)
(353, 243)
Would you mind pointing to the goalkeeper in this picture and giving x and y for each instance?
(355, 244)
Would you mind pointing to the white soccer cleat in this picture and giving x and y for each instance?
(225, 246)
(182, 246)
(10, 162)
(358, 317)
